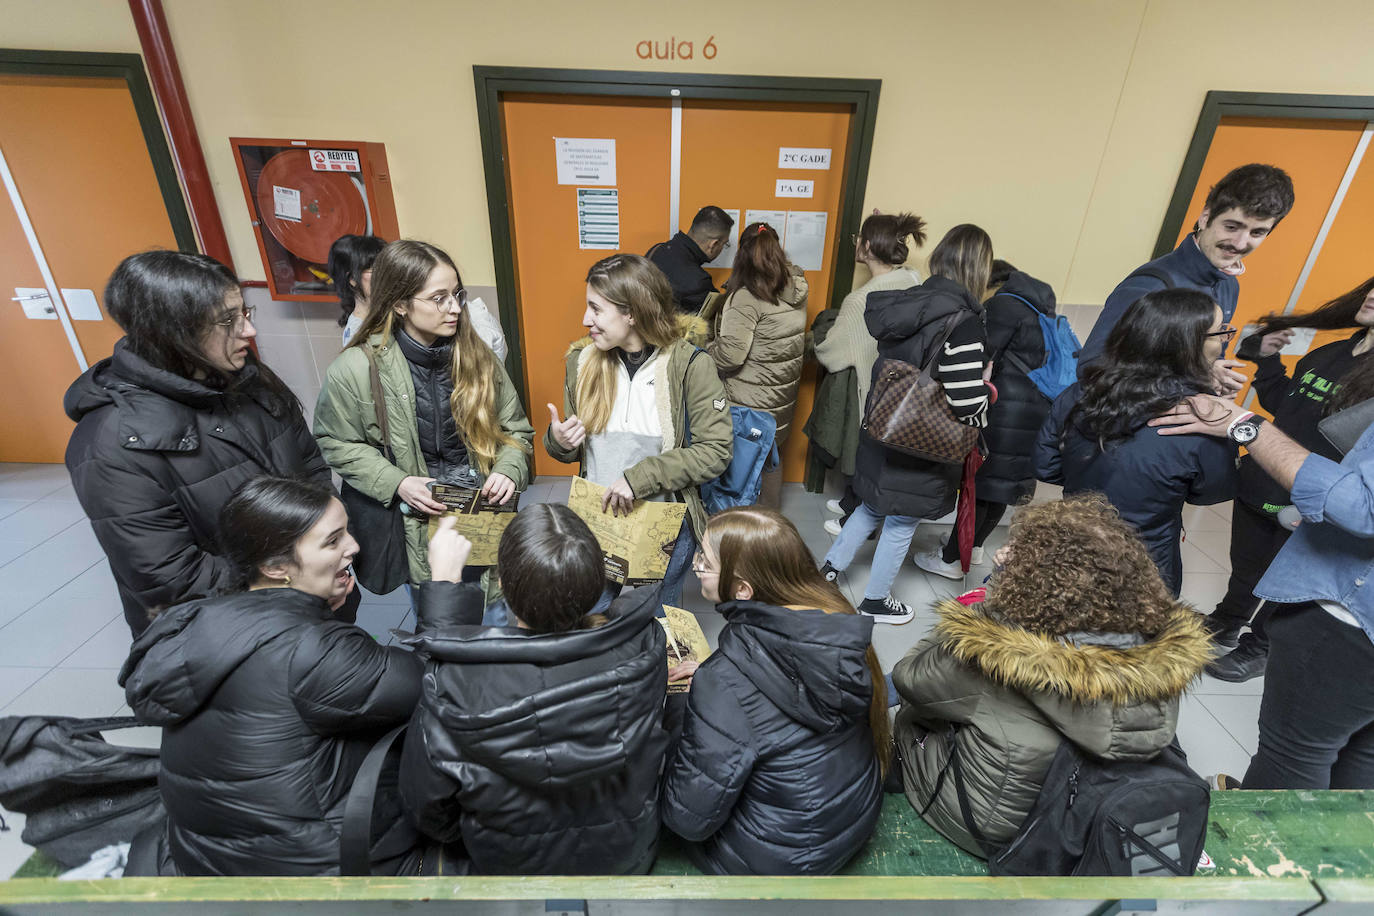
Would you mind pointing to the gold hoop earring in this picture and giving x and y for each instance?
(287, 580)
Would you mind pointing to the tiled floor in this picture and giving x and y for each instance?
(63, 636)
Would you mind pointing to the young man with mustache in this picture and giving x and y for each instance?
(1240, 212)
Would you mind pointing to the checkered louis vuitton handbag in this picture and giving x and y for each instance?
(907, 411)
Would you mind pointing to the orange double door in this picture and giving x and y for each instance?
(729, 157)
(1323, 247)
(83, 180)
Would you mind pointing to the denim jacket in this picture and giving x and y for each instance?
(1331, 555)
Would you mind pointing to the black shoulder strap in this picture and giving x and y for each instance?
(1154, 273)
(686, 418)
(965, 809)
(355, 834)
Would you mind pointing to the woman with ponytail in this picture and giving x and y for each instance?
(785, 742)
(760, 336)
(453, 412)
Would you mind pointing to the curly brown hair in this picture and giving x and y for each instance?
(1076, 566)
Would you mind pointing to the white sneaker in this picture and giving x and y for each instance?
(833, 507)
(888, 610)
(932, 562)
(976, 558)
(832, 526)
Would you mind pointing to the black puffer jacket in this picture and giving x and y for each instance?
(268, 708)
(1015, 343)
(541, 753)
(907, 324)
(446, 456)
(775, 772)
(155, 456)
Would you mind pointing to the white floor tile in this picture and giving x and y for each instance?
(31, 481)
(1207, 686)
(55, 628)
(1207, 518)
(83, 692)
(10, 506)
(108, 648)
(42, 572)
(1203, 590)
(41, 520)
(13, 851)
(1196, 560)
(1238, 714)
(12, 550)
(1210, 748)
(14, 681)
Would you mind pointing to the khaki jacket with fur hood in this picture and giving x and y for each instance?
(680, 468)
(1017, 694)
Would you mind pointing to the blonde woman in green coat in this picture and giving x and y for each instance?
(453, 412)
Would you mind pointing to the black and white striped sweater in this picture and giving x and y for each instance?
(960, 372)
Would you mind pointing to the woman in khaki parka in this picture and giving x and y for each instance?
(761, 336)
(1077, 639)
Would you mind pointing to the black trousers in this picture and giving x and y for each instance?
(986, 515)
(1255, 540)
(1316, 721)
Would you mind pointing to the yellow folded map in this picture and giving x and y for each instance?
(636, 546)
(479, 521)
(686, 642)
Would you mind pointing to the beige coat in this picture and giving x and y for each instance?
(758, 350)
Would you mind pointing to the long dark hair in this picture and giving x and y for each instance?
(1153, 359)
(760, 264)
(763, 547)
(166, 302)
(1358, 382)
(552, 568)
(349, 257)
(264, 519)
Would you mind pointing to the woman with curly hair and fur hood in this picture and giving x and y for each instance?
(1077, 639)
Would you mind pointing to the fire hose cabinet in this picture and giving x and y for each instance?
(304, 194)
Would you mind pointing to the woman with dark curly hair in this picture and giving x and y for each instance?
(1096, 438)
(1077, 639)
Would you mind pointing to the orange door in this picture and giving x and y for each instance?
(730, 159)
(82, 168)
(550, 268)
(1315, 154)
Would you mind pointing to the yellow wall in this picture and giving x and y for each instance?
(1058, 125)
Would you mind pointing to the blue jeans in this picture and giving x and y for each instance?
(673, 576)
(893, 544)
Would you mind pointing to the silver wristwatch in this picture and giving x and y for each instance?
(1246, 430)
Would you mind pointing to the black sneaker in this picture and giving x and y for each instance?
(886, 610)
(1224, 635)
(829, 573)
(1241, 664)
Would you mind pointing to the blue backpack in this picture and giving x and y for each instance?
(1060, 369)
(753, 451)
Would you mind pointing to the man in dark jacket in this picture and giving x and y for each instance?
(154, 457)
(680, 258)
(1238, 215)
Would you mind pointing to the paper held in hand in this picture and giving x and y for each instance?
(479, 521)
(686, 642)
(636, 546)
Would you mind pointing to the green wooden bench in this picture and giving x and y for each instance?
(1274, 852)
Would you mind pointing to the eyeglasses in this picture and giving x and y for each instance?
(442, 300)
(1226, 333)
(235, 323)
(699, 565)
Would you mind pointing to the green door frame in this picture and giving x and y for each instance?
(493, 82)
(1218, 105)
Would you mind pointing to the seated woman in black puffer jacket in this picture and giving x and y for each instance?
(268, 706)
(780, 766)
(539, 746)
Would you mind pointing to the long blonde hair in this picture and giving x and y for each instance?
(636, 286)
(762, 547)
(964, 255)
(401, 272)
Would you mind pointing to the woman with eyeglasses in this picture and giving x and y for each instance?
(1096, 438)
(452, 411)
(172, 423)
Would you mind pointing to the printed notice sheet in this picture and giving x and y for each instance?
(686, 642)
(479, 521)
(598, 218)
(775, 218)
(805, 241)
(636, 546)
(583, 161)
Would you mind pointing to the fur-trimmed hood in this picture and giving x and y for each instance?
(1157, 669)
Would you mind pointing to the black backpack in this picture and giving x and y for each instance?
(1097, 817)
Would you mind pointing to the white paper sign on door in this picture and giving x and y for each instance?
(803, 157)
(774, 218)
(806, 238)
(286, 203)
(582, 161)
(726, 258)
(598, 218)
(792, 187)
